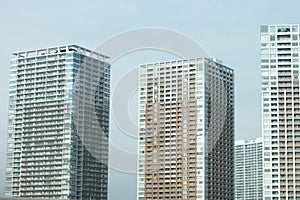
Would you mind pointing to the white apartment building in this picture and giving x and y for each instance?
(248, 171)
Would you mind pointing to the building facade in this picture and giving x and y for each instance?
(280, 111)
(186, 130)
(58, 124)
(248, 169)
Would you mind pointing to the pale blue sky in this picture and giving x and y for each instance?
(228, 30)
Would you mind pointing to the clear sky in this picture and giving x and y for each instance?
(228, 30)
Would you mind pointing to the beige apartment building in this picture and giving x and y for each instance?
(186, 130)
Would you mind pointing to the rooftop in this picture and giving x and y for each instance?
(59, 49)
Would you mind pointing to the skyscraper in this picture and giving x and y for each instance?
(58, 124)
(280, 111)
(248, 169)
(186, 130)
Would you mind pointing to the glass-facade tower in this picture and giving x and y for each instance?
(248, 169)
(58, 124)
(186, 130)
(280, 111)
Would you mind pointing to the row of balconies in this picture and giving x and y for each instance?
(53, 90)
(35, 169)
(60, 118)
(22, 99)
(37, 154)
(38, 163)
(41, 144)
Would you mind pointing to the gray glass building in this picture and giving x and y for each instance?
(58, 124)
(186, 130)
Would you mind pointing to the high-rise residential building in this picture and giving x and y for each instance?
(186, 130)
(248, 169)
(280, 111)
(58, 124)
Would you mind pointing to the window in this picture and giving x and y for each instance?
(272, 37)
(295, 37)
(295, 28)
(272, 29)
(264, 38)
